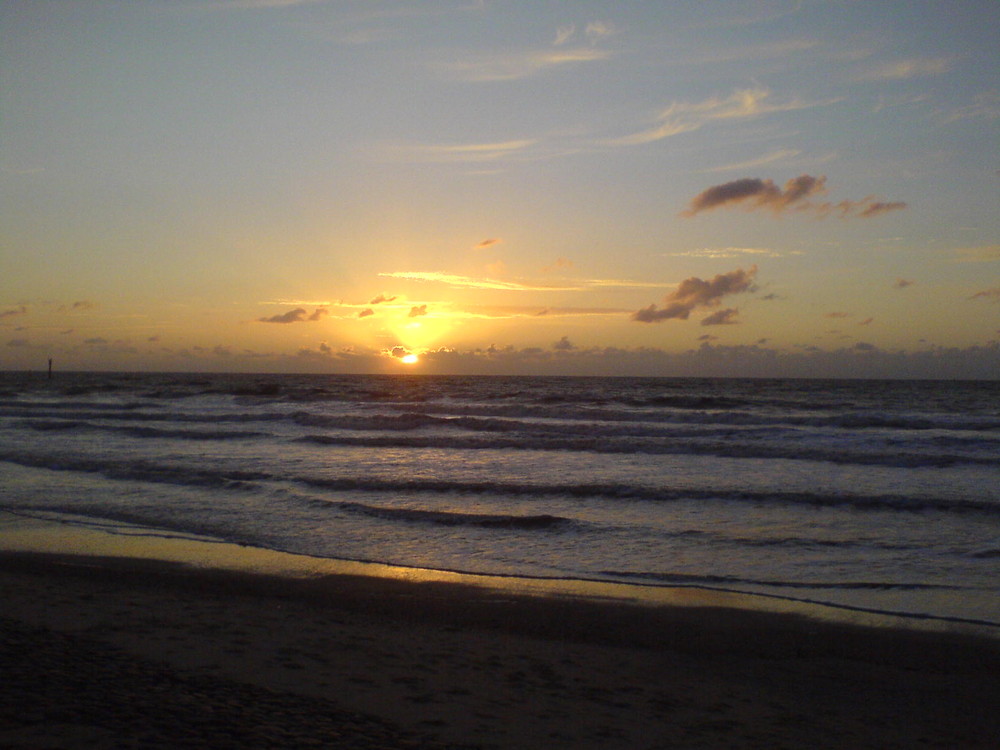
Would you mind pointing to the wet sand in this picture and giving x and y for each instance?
(119, 652)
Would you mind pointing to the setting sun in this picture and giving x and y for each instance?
(410, 359)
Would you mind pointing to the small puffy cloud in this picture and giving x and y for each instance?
(417, 311)
(869, 207)
(993, 293)
(325, 348)
(902, 283)
(18, 343)
(366, 312)
(380, 299)
(752, 193)
(486, 243)
(292, 316)
(13, 312)
(755, 192)
(96, 341)
(298, 315)
(835, 315)
(559, 265)
(695, 292)
(399, 352)
(564, 345)
(721, 317)
(85, 305)
(866, 322)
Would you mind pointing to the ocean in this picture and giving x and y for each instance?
(871, 495)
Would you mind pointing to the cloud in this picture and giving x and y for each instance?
(85, 305)
(97, 341)
(292, 316)
(487, 243)
(695, 292)
(512, 66)
(13, 312)
(559, 264)
(770, 158)
(564, 34)
(756, 192)
(836, 315)
(724, 252)
(18, 343)
(380, 299)
(902, 283)
(366, 312)
(417, 311)
(467, 282)
(993, 293)
(564, 345)
(721, 317)
(684, 117)
(463, 152)
(985, 106)
(897, 71)
(981, 254)
(597, 30)
(298, 315)
(753, 193)
(866, 322)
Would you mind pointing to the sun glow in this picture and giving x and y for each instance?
(410, 359)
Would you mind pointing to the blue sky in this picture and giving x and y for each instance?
(776, 187)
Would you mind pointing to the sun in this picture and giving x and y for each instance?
(410, 359)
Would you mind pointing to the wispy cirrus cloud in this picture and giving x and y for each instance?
(728, 252)
(572, 285)
(459, 152)
(981, 254)
(903, 69)
(511, 66)
(684, 117)
(752, 193)
(769, 158)
(469, 282)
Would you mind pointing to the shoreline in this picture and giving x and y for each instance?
(408, 662)
(56, 535)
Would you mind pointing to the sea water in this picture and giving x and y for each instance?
(878, 495)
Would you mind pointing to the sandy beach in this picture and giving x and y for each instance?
(119, 652)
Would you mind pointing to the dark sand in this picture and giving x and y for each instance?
(103, 652)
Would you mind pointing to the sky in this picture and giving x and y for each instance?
(802, 188)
